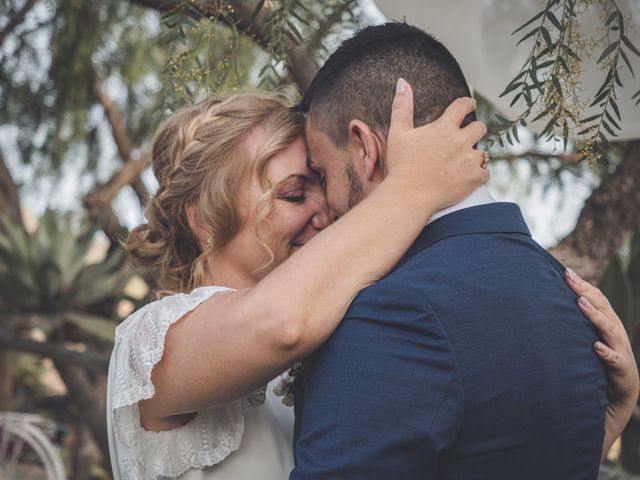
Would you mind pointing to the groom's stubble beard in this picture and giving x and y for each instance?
(356, 191)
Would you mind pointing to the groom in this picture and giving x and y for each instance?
(470, 360)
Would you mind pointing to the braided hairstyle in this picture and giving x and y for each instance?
(200, 156)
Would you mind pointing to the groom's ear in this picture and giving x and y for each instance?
(368, 148)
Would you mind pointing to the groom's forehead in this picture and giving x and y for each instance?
(319, 146)
(313, 150)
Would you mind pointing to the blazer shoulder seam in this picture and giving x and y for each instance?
(457, 374)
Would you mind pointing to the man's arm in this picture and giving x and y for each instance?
(382, 398)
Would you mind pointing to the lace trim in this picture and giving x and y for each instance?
(204, 441)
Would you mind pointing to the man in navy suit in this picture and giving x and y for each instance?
(470, 360)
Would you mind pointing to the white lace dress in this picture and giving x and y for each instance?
(248, 439)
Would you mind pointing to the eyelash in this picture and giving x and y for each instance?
(293, 198)
(323, 182)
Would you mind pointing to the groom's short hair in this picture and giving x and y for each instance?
(358, 80)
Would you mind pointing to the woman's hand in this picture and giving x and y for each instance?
(616, 351)
(438, 159)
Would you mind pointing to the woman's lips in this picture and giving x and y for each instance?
(303, 238)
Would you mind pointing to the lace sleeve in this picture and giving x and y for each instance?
(206, 440)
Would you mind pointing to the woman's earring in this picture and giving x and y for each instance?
(210, 242)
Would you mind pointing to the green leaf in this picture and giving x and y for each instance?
(630, 45)
(510, 88)
(611, 18)
(554, 20)
(542, 53)
(603, 138)
(600, 97)
(626, 60)
(515, 99)
(528, 35)
(295, 31)
(611, 119)
(548, 127)
(588, 129)
(256, 11)
(607, 51)
(540, 115)
(609, 129)
(529, 22)
(97, 326)
(17, 237)
(545, 64)
(569, 51)
(547, 37)
(16, 294)
(292, 37)
(590, 119)
(6, 253)
(616, 78)
(606, 84)
(519, 76)
(48, 279)
(556, 83)
(298, 17)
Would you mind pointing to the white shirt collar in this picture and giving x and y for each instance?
(481, 196)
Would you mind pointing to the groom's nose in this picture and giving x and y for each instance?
(323, 218)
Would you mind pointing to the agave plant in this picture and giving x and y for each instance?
(45, 273)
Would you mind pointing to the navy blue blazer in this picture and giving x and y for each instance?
(469, 361)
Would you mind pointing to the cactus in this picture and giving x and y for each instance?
(45, 273)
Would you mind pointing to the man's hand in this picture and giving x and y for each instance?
(616, 351)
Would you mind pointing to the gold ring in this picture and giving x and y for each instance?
(485, 159)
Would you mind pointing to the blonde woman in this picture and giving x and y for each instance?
(236, 199)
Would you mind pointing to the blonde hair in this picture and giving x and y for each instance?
(199, 157)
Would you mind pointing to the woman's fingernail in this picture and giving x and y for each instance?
(573, 276)
(585, 303)
(401, 86)
(599, 347)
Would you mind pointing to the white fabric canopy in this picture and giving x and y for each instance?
(478, 33)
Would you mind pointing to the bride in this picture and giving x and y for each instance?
(242, 301)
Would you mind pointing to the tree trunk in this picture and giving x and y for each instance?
(85, 454)
(89, 399)
(6, 380)
(9, 205)
(609, 215)
(9, 199)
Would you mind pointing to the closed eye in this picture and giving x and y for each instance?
(293, 198)
(323, 182)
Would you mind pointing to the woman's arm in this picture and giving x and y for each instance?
(622, 371)
(236, 341)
